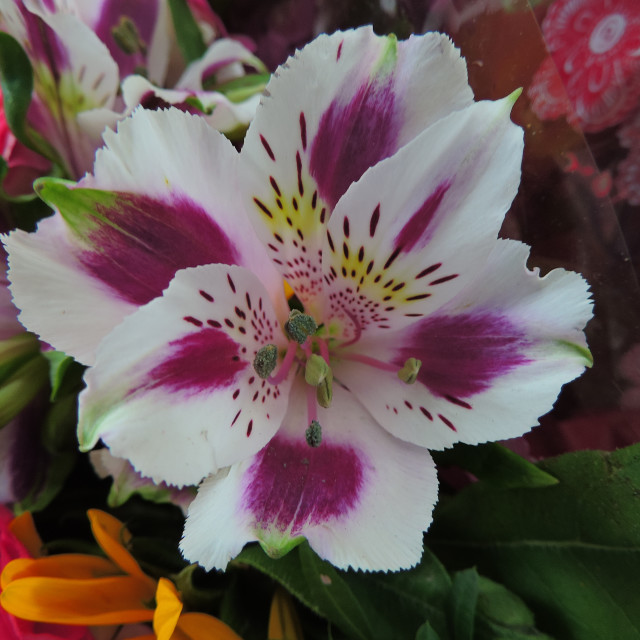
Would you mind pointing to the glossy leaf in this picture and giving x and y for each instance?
(571, 551)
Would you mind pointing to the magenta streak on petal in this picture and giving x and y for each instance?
(461, 355)
(143, 13)
(148, 240)
(292, 486)
(353, 137)
(199, 362)
(417, 229)
(43, 43)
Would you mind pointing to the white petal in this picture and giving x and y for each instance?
(337, 107)
(413, 231)
(493, 359)
(362, 498)
(173, 388)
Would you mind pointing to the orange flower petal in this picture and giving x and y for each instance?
(284, 623)
(112, 536)
(24, 529)
(66, 565)
(112, 600)
(200, 626)
(168, 609)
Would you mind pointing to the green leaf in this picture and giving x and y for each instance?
(315, 583)
(362, 605)
(16, 78)
(188, 33)
(61, 369)
(239, 89)
(462, 604)
(571, 551)
(496, 465)
(426, 632)
(502, 614)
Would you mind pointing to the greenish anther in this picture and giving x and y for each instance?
(316, 370)
(265, 361)
(409, 372)
(127, 37)
(324, 390)
(313, 434)
(300, 326)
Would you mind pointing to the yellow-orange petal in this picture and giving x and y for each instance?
(284, 623)
(168, 609)
(112, 536)
(112, 600)
(200, 626)
(24, 529)
(67, 565)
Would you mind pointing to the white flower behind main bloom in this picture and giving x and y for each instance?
(375, 186)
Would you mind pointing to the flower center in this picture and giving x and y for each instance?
(311, 351)
(607, 33)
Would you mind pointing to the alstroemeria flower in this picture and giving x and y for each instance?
(82, 50)
(375, 187)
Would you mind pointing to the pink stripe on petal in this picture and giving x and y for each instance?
(292, 486)
(148, 240)
(200, 362)
(461, 355)
(417, 231)
(353, 137)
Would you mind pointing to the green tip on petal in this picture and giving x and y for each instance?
(580, 350)
(277, 546)
(265, 361)
(300, 326)
(514, 95)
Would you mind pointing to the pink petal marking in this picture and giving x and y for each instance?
(292, 486)
(463, 354)
(353, 137)
(146, 241)
(200, 362)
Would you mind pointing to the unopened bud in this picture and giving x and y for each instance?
(409, 372)
(300, 326)
(265, 361)
(313, 434)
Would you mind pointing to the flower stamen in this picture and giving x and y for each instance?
(285, 367)
(313, 434)
(300, 326)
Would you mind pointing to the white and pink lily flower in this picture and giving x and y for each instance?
(82, 50)
(373, 185)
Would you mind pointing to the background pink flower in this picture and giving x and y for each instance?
(594, 44)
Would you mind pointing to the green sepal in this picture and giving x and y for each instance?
(188, 35)
(61, 368)
(278, 547)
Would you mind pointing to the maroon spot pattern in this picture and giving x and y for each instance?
(353, 137)
(292, 486)
(199, 362)
(146, 241)
(461, 355)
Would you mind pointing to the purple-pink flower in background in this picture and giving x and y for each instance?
(374, 186)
